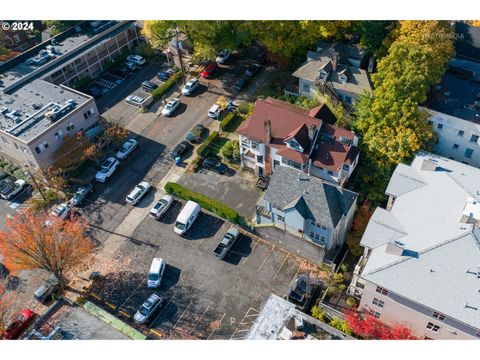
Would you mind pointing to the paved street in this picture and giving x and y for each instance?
(206, 297)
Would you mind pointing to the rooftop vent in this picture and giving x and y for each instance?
(302, 177)
(471, 212)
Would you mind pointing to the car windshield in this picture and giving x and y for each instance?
(179, 225)
(59, 211)
(188, 86)
(124, 148)
(104, 171)
(169, 105)
(143, 310)
(107, 164)
(153, 277)
(159, 204)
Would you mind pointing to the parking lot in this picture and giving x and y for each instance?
(206, 298)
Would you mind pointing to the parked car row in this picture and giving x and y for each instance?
(109, 166)
(10, 187)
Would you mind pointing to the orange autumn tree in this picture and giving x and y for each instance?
(28, 243)
(6, 302)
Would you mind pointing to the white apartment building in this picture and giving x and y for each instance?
(421, 260)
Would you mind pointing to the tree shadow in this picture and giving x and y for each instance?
(242, 249)
(206, 226)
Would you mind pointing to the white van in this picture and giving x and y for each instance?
(186, 217)
(156, 273)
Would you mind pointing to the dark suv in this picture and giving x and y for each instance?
(215, 165)
(180, 149)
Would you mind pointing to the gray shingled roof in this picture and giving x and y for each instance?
(313, 198)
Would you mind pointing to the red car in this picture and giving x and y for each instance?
(18, 324)
(209, 70)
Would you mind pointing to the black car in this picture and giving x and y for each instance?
(196, 134)
(165, 75)
(252, 70)
(241, 84)
(121, 71)
(215, 165)
(149, 86)
(81, 194)
(180, 149)
(94, 91)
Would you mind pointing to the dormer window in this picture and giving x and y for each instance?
(323, 75)
(293, 144)
(343, 79)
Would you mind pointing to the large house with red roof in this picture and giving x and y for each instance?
(281, 134)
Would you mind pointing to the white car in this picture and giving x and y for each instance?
(12, 190)
(223, 56)
(171, 106)
(61, 212)
(134, 100)
(190, 87)
(126, 149)
(215, 111)
(137, 59)
(107, 169)
(161, 206)
(136, 195)
(148, 308)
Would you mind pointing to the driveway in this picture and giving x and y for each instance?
(206, 298)
(230, 189)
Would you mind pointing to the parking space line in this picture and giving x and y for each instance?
(268, 255)
(132, 293)
(159, 334)
(180, 318)
(110, 305)
(281, 266)
(124, 313)
(209, 336)
(200, 318)
(96, 296)
(253, 249)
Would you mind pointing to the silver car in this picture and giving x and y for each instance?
(126, 149)
(171, 106)
(148, 308)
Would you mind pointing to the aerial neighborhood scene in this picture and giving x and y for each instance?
(240, 180)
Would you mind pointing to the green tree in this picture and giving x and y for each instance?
(375, 35)
(392, 127)
(58, 26)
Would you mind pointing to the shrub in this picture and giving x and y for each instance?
(245, 108)
(341, 325)
(38, 203)
(351, 302)
(205, 202)
(231, 151)
(82, 82)
(318, 313)
(197, 163)
(204, 149)
(160, 91)
(227, 120)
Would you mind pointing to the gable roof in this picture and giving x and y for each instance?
(284, 118)
(300, 134)
(431, 195)
(313, 198)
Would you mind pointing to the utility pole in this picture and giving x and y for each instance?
(35, 182)
(179, 52)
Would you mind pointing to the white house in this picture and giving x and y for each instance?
(421, 260)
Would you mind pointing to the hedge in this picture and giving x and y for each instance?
(160, 91)
(205, 202)
(197, 163)
(204, 149)
(227, 120)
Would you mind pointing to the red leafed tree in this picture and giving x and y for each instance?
(368, 327)
(6, 301)
(29, 243)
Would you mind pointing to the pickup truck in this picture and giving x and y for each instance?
(228, 240)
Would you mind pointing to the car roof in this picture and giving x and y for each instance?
(214, 107)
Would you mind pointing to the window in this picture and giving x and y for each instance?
(312, 222)
(292, 163)
(70, 126)
(16, 146)
(474, 138)
(440, 126)
(254, 145)
(330, 172)
(317, 237)
(324, 227)
(306, 87)
(455, 146)
(374, 313)
(275, 163)
(382, 291)
(42, 147)
(260, 159)
(312, 234)
(59, 135)
(430, 122)
(378, 302)
(433, 327)
(438, 316)
(322, 238)
(276, 207)
(346, 167)
(5, 140)
(468, 153)
(280, 218)
(460, 132)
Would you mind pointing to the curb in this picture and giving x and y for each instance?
(113, 321)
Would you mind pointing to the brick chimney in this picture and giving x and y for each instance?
(311, 132)
(267, 131)
(334, 60)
